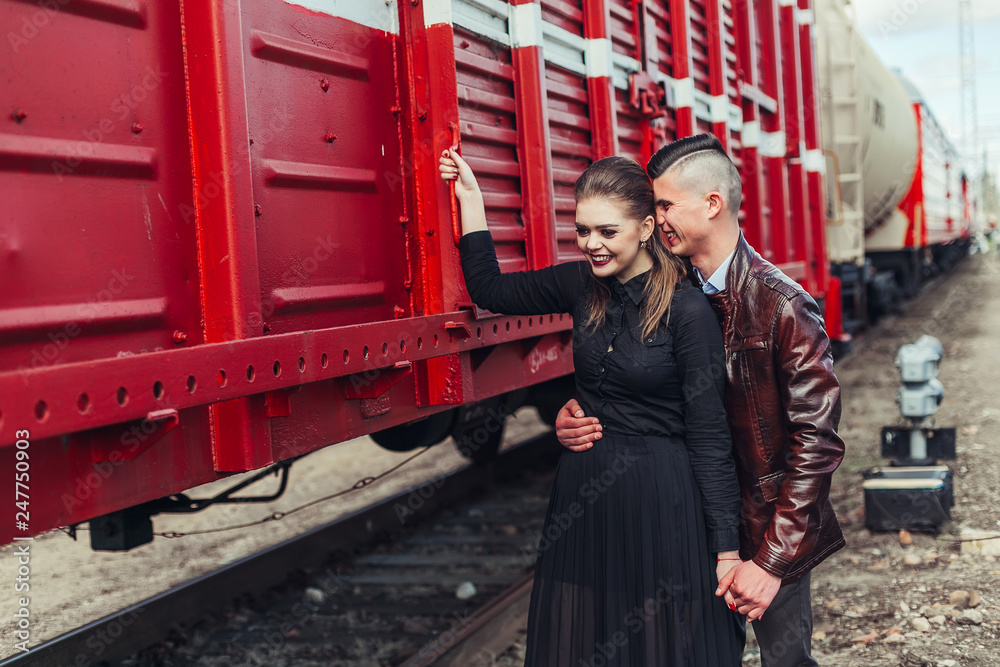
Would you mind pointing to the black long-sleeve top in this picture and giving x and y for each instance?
(669, 385)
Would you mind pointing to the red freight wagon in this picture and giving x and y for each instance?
(224, 241)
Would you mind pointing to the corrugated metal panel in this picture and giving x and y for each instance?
(699, 45)
(489, 137)
(569, 126)
(732, 86)
(625, 42)
(700, 58)
(662, 37)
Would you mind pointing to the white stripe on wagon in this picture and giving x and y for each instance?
(522, 25)
(372, 13)
(526, 25)
(773, 144)
(718, 108)
(437, 12)
(563, 48)
(683, 92)
(599, 57)
(750, 137)
(710, 108)
(814, 161)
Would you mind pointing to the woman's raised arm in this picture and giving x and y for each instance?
(550, 290)
(470, 197)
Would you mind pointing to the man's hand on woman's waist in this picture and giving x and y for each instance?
(575, 431)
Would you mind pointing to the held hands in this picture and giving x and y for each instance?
(724, 573)
(748, 589)
(727, 561)
(575, 431)
(454, 168)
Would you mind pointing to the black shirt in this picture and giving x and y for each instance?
(669, 385)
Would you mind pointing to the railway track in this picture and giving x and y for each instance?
(436, 574)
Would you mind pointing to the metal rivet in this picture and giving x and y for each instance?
(257, 210)
(180, 336)
(19, 115)
(136, 128)
(330, 137)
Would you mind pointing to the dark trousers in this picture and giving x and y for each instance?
(785, 633)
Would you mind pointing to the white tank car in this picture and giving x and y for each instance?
(869, 131)
(896, 204)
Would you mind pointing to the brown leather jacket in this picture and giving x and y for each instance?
(783, 402)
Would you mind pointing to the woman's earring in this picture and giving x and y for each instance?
(642, 244)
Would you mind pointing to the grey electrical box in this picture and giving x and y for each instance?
(918, 362)
(920, 400)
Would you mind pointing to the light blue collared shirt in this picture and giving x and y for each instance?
(717, 282)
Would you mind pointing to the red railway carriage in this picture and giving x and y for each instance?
(224, 241)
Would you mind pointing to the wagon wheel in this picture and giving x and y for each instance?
(478, 429)
(423, 433)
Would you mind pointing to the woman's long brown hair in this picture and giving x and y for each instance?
(623, 181)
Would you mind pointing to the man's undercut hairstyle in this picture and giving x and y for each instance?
(700, 165)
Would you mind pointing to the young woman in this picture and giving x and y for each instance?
(640, 525)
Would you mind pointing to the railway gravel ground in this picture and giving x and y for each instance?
(883, 603)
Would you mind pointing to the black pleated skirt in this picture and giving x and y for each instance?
(624, 577)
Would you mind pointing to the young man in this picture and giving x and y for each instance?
(782, 398)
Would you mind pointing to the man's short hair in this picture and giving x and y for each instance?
(702, 165)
